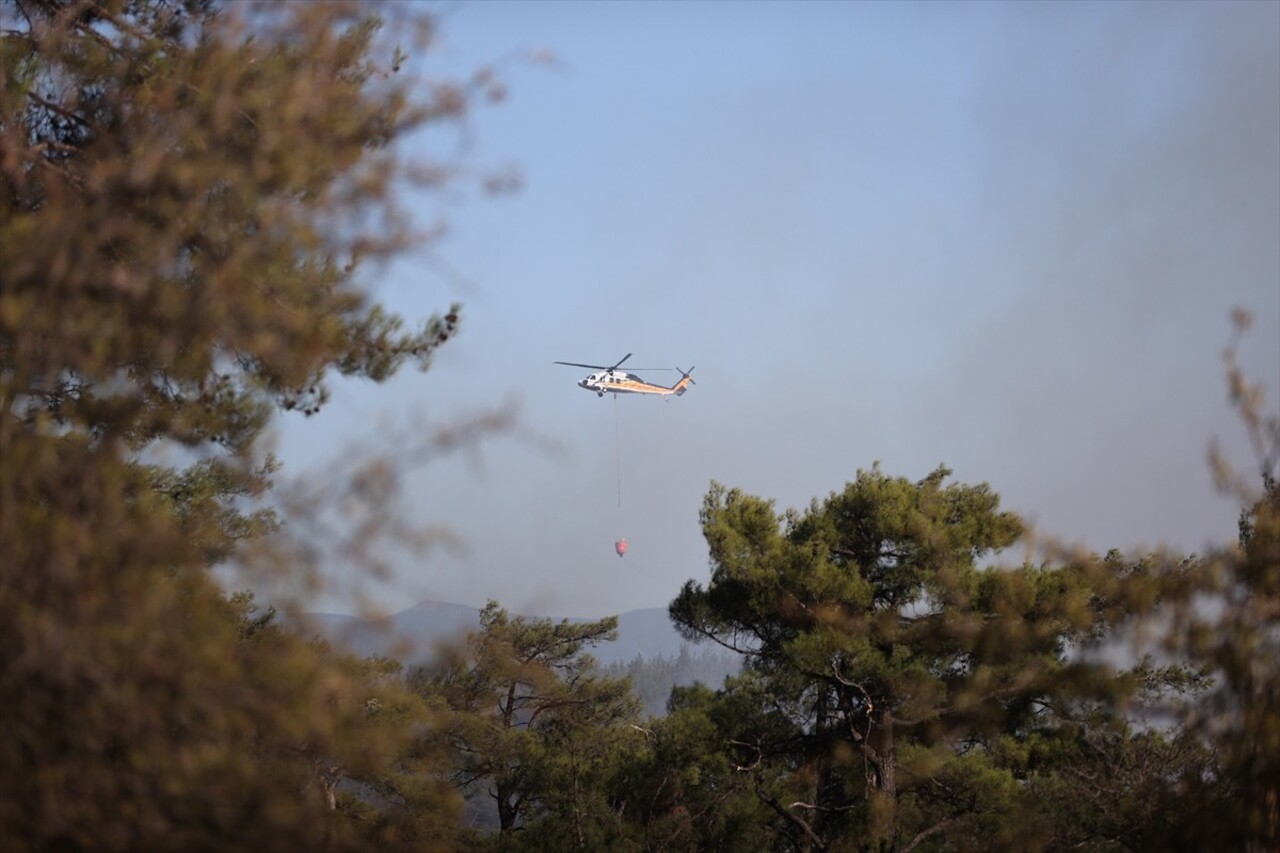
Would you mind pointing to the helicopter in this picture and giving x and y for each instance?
(616, 381)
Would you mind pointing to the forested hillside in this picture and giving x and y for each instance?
(414, 635)
(190, 193)
(653, 678)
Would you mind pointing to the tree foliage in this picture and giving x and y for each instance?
(189, 194)
(531, 718)
(895, 674)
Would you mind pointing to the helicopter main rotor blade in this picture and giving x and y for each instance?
(607, 367)
(579, 364)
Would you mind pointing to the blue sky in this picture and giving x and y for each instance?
(1001, 236)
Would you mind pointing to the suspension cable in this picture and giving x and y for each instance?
(617, 448)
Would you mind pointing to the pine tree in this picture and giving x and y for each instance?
(532, 718)
(190, 193)
(891, 669)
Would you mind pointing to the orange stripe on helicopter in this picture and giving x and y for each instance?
(639, 387)
(646, 387)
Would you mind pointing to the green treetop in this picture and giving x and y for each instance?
(889, 662)
(532, 719)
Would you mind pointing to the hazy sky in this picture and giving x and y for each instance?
(1001, 236)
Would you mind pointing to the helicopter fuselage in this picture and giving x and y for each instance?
(617, 382)
(611, 380)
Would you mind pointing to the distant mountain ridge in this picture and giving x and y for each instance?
(416, 634)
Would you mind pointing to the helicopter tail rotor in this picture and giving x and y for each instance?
(685, 381)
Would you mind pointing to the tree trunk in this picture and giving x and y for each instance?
(884, 793)
(507, 810)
